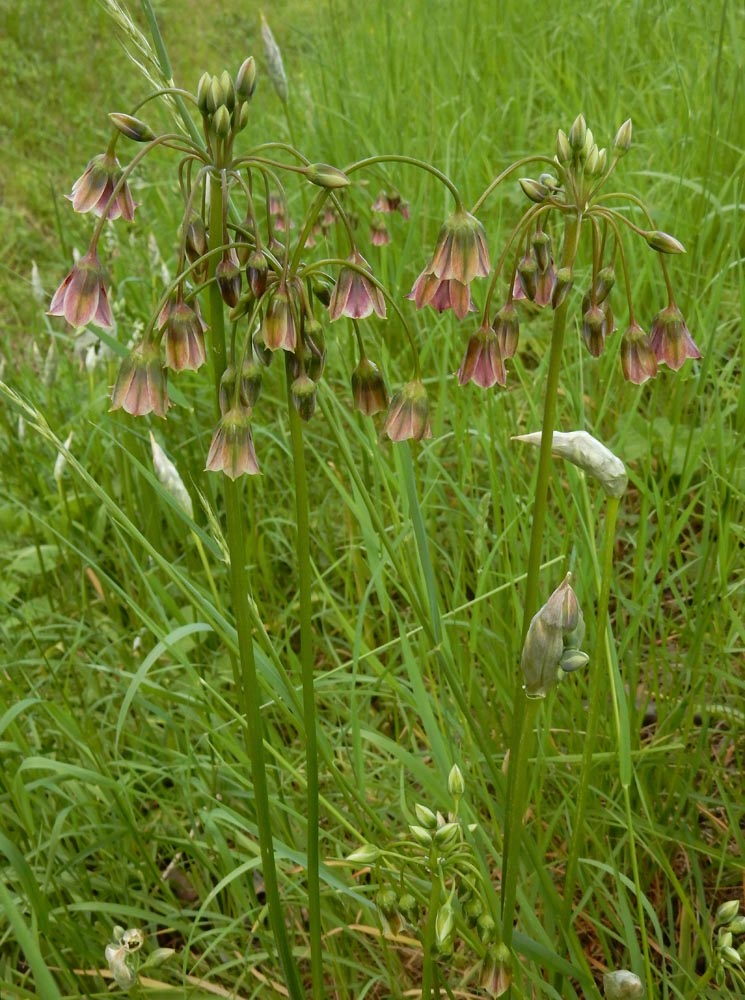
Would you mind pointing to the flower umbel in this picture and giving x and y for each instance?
(92, 191)
(81, 298)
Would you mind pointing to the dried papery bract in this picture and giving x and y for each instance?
(556, 627)
(587, 453)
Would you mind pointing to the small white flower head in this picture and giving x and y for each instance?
(36, 286)
(622, 985)
(59, 465)
(587, 453)
(118, 955)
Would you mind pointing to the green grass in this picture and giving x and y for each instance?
(122, 747)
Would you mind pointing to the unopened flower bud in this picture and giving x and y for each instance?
(221, 122)
(444, 925)
(587, 148)
(578, 133)
(622, 985)
(203, 89)
(602, 161)
(534, 190)
(486, 927)
(544, 643)
(250, 383)
(228, 89)
(563, 147)
(605, 281)
(228, 277)
(527, 271)
(622, 141)
(387, 902)
(326, 176)
(456, 782)
(727, 911)
(242, 120)
(408, 907)
(215, 96)
(573, 659)
(195, 239)
(368, 388)
(420, 835)
(724, 939)
(245, 80)
(586, 452)
(364, 855)
(737, 926)
(562, 286)
(592, 161)
(303, 391)
(446, 834)
(133, 128)
(663, 242)
(731, 955)
(425, 816)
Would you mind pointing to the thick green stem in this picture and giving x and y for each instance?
(524, 709)
(302, 549)
(595, 706)
(244, 669)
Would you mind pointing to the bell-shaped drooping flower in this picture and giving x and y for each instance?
(483, 362)
(368, 388)
(303, 392)
(593, 329)
(506, 326)
(671, 339)
(638, 359)
(183, 335)
(546, 278)
(232, 447)
(557, 626)
(525, 284)
(81, 298)
(92, 191)
(379, 234)
(141, 385)
(354, 294)
(408, 414)
(442, 294)
(279, 330)
(257, 270)
(460, 253)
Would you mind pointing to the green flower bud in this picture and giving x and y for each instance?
(326, 176)
(303, 391)
(408, 907)
(730, 955)
(622, 141)
(578, 133)
(387, 902)
(737, 926)
(563, 147)
(226, 84)
(727, 911)
(420, 835)
(203, 89)
(426, 817)
(456, 782)
(534, 190)
(444, 925)
(663, 242)
(364, 855)
(242, 121)
(245, 80)
(591, 163)
(573, 659)
(446, 834)
(605, 282)
(133, 128)
(562, 286)
(486, 928)
(587, 148)
(602, 161)
(724, 939)
(221, 122)
(215, 96)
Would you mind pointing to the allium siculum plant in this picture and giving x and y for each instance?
(247, 261)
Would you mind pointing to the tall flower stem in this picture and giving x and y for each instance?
(595, 702)
(428, 943)
(525, 709)
(302, 549)
(245, 675)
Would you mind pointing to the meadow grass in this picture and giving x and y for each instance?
(122, 743)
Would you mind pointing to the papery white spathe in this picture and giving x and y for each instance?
(587, 453)
(167, 474)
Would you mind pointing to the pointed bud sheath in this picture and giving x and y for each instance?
(578, 134)
(245, 80)
(216, 96)
(587, 453)
(420, 835)
(563, 147)
(622, 141)
(602, 161)
(737, 924)
(364, 855)
(534, 190)
(425, 816)
(133, 128)
(588, 146)
(456, 782)
(325, 176)
(444, 925)
(242, 120)
(562, 286)
(724, 938)
(368, 388)
(221, 122)
(663, 242)
(203, 89)
(559, 617)
(593, 161)
(446, 834)
(303, 391)
(727, 912)
(622, 985)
